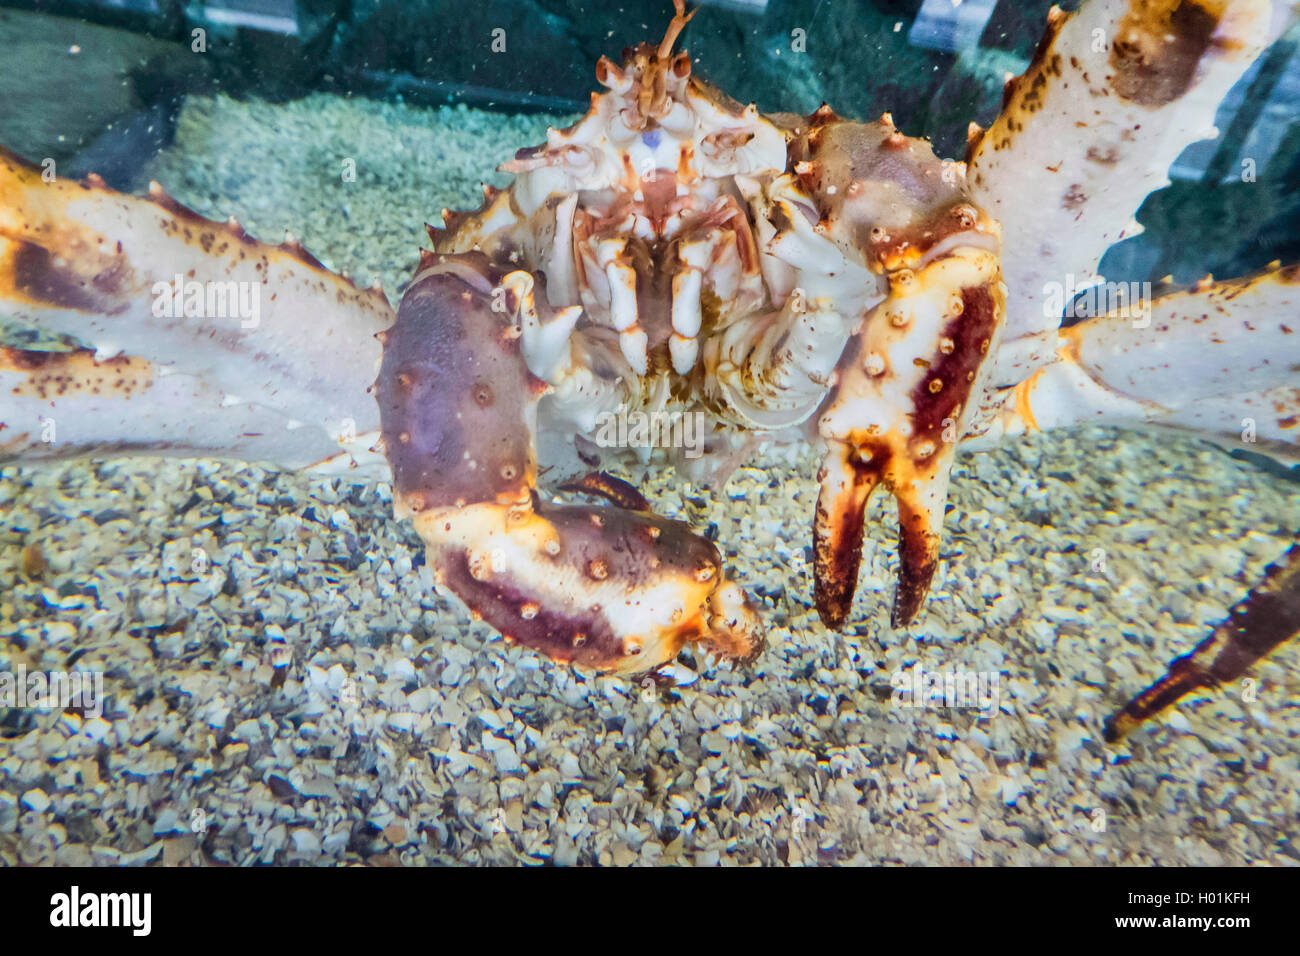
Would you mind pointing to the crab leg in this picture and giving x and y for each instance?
(1219, 359)
(903, 394)
(612, 489)
(1122, 85)
(1263, 620)
(233, 346)
(53, 404)
(925, 264)
(610, 588)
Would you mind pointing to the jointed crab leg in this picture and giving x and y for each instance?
(903, 388)
(1266, 618)
(1219, 359)
(609, 588)
(279, 372)
(56, 404)
(614, 490)
(1114, 94)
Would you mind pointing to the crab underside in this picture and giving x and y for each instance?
(677, 256)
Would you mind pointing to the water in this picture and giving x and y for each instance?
(265, 637)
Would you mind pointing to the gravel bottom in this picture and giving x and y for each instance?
(284, 684)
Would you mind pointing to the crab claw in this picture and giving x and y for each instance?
(617, 589)
(850, 472)
(614, 590)
(902, 399)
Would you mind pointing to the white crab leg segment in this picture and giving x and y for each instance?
(1113, 95)
(623, 310)
(561, 276)
(597, 383)
(694, 258)
(545, 343)
(59, 404)
(1222, 358)
(615, 589)
(261, 328)
(683, 352)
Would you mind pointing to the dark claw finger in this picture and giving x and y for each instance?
(837, 536)
(614, 490)
(918, 557)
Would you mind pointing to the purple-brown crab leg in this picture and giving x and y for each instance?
(608, 588)
(614, 490)
(1265, 619)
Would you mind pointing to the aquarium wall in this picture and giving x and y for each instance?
(231, 373)
(934, 65)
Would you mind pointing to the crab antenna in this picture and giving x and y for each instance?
(680, 19)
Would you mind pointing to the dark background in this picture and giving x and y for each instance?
(935, 67)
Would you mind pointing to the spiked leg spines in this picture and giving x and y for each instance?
(286, 384)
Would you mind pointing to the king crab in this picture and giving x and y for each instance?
(793, 278)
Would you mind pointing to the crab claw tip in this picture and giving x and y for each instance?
(735, 628)
(837, 536)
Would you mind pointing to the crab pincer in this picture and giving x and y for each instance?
(906, 385)
(615, 589)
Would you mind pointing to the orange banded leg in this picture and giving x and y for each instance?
(1265, 619)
